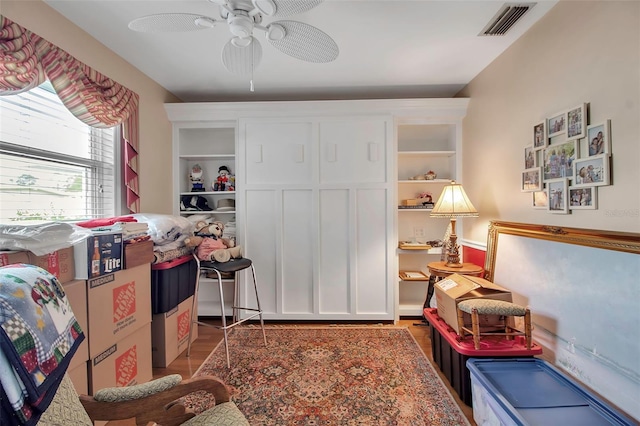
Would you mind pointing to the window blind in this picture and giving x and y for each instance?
(53, 167)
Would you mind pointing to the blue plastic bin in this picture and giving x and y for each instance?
(529, 391)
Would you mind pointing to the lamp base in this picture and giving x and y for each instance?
(453, 260)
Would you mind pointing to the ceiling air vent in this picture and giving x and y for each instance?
(507, 16)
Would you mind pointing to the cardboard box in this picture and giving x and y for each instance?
(60, 263)
(170, 333)
(118, 304)
(76, 292)
(126, 362)
(139, 253)
(9, 257)
(80, 378)
(456, 288)
(97, 255)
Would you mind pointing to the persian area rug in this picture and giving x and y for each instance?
(331, 375)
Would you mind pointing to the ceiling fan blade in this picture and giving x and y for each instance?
(284, 8)
(241, 60)
(305, 42)
(171, 22)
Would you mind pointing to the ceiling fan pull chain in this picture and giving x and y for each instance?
(252, 67)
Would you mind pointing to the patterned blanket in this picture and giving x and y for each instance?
(38, 336)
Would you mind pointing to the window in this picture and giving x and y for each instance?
(53, 167)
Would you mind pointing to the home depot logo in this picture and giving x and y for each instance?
(127, 367)
(124, 301)
(53, 264)
(184, 322)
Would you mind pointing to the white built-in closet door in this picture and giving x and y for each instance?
(317, 216)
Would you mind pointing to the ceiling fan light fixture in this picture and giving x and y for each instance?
(276, 32)
(268, 7)
(240, 25)
(241, 42)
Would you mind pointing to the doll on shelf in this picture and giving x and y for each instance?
(225, 181)
(197, 182)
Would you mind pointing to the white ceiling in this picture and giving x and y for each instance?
(388, 49)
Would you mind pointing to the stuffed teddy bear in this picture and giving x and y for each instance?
(209, 244)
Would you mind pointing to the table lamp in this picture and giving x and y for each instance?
(453, 203)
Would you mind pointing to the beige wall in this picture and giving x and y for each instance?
(581, 51)
(155, 128)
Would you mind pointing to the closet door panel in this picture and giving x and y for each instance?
(353, 151)
(262, 248)
(334, 280)
(297, 251)
(372, 295)
(278, 152)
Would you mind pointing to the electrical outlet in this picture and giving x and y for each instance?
(418, 232)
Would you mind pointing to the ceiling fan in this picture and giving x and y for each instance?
(243, 52)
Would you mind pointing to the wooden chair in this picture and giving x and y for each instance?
(477, 307)
(150, 403)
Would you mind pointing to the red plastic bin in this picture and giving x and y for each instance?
(451, 353)
(172, 282)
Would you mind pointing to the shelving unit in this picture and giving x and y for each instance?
(422, 147)
(211, 145)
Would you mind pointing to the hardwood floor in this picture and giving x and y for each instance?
(209, 337)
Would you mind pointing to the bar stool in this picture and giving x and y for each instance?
(233, 266)
(477, 307)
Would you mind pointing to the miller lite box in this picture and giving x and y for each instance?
(118, 305)
(98, 254)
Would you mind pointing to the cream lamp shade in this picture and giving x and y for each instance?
(453, 203)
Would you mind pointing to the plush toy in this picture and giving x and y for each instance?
(225, 180)
(209, 244)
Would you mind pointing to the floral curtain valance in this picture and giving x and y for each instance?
(27, 60)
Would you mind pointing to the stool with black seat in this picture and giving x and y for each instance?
(233, 266)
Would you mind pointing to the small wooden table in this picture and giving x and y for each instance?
(439, 270)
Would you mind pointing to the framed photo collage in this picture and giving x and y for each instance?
(567, 162)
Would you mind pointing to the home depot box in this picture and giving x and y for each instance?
(456, 288)
(9, 257)
(170, 333)
(80, 378)
(118, 304)
(76, 292)
(138, 253)
(97, 255)
(126, 362)
(60, 263)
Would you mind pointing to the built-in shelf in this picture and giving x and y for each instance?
(423, 181)
(433, 250)
(188, 212)
(207, 157)
(209, 193)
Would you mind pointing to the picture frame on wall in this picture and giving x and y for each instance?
(583, 198)
(557, 195)
(530, 157)
(559, 159)
(539, 136)
(540, 200)
(557, 124)
(531, 180)
(599, 138)
(592, 171)
(577, 122)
